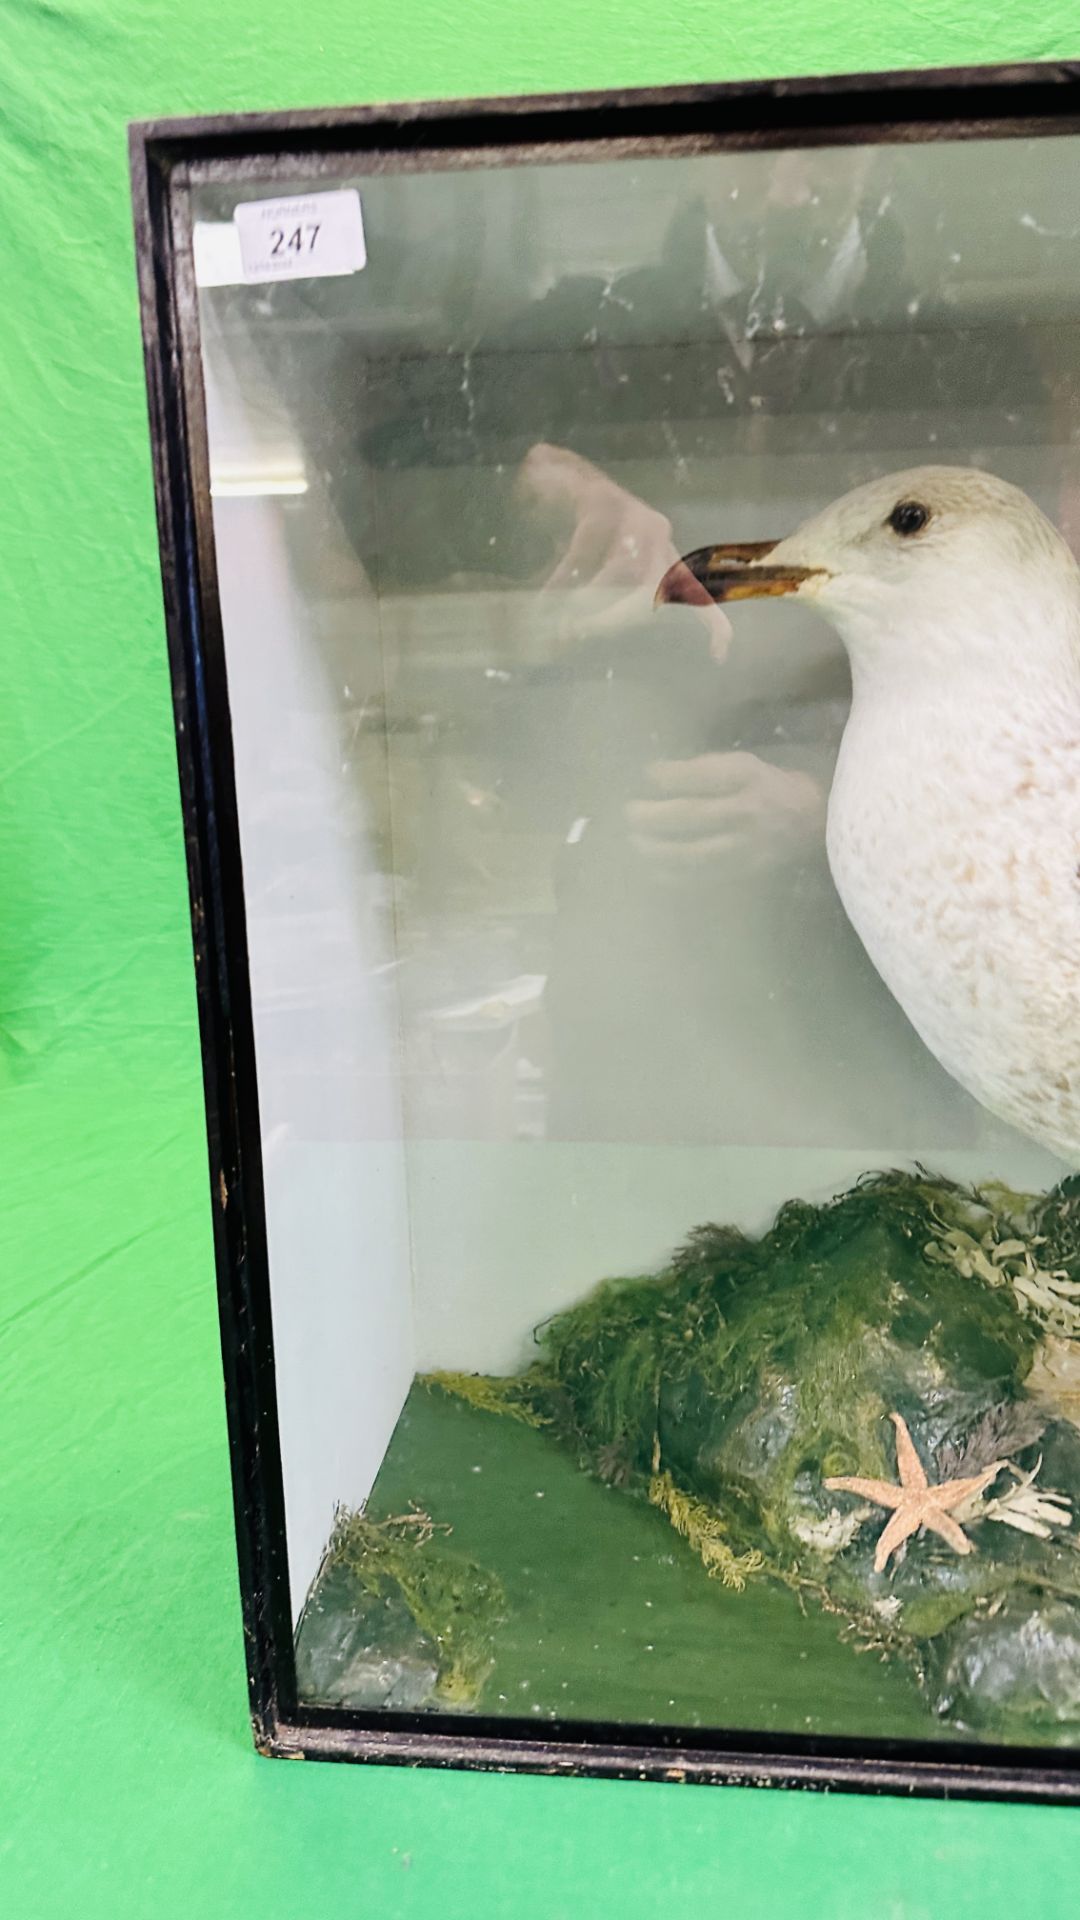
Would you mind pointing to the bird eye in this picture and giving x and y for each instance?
(908, 516)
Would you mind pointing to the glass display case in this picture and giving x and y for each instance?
(626, 654)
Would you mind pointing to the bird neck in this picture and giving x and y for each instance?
(979, 663)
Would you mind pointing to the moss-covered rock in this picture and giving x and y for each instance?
(731, 1387)
(397, 1619)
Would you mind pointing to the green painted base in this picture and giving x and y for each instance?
(608, 1615)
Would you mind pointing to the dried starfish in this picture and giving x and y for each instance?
(916, 1503)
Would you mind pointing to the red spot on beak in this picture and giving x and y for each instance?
(680, 587)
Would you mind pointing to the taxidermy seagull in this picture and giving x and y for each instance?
(953, 830)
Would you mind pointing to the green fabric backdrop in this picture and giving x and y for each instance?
(127, 1782)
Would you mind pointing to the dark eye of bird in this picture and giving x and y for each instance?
(908, 516)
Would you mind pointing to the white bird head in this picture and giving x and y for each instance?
(954, 567)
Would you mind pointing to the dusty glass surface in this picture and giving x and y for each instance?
(552, 965)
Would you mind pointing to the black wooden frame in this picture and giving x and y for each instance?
(167, 158)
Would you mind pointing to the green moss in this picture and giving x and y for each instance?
(704, 1532)
(454, 1604)
(737, 1362)
(727, 1388)
(488, 1393)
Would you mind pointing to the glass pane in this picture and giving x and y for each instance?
(553, 963)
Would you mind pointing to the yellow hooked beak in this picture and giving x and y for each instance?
(732, 572)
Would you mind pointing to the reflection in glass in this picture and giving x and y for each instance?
(549, 966)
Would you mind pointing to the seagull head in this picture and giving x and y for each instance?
(949, 564)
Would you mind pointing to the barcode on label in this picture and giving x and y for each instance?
(302, 238)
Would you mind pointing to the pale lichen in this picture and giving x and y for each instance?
(488, 1393)
(704, 1533)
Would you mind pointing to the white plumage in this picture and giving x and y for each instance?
(954, 818)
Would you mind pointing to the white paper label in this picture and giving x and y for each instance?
(216, 247)
(302, 238)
